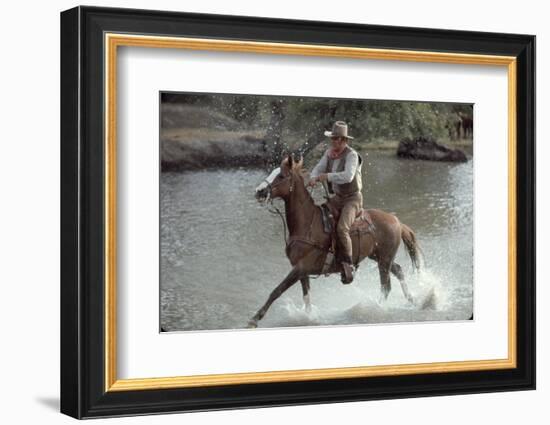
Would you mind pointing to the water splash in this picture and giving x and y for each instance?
(360, 303)
(432, 293)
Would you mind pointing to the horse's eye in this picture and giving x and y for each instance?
(280, 176)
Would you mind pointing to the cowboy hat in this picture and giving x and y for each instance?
(339, 129)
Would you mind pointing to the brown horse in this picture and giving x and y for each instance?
(308, 243)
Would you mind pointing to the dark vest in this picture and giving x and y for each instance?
(347, 188)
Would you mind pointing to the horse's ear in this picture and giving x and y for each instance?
(290, 161)
(300, 162)
(285, 168)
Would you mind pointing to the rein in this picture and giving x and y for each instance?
(274, 210)
(290, 239)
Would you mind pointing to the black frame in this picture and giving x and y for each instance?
(82, 206)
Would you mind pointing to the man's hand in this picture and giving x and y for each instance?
(312, 182)
(321, 178)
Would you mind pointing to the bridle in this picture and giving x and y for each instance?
(270, 186)
(272, 208)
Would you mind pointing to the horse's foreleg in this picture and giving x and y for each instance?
(396, 270)
(287, 282)
(305, 293)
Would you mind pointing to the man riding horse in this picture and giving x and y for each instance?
(375, 234)
(340, 167)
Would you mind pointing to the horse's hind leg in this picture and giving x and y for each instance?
(305, 292)
(396, 270)
(385, 283)
(287, 282)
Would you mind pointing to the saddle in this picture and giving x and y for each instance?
(363, 221)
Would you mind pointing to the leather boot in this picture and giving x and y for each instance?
(347, 270)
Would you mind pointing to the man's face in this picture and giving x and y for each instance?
(338, 143)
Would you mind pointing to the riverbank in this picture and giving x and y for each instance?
(393, 144)
(197, 148)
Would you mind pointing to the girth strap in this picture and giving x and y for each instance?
(311, 242)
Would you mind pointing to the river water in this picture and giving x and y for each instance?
(222, 252)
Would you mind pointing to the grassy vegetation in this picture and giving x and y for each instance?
(369, 120)
(297, 123)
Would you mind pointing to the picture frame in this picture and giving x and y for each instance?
(90, 39)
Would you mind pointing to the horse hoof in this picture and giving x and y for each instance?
(252, 324)
(307, 304)
(382, 300)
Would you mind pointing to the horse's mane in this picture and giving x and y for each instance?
(300, 174)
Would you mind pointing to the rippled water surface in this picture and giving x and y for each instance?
(222, 252)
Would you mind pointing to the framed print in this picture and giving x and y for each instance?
(261, 212)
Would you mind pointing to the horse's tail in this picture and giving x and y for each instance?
(409, 239)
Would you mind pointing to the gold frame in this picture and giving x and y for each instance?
(113, 41)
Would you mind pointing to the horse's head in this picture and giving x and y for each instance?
(282, 180)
